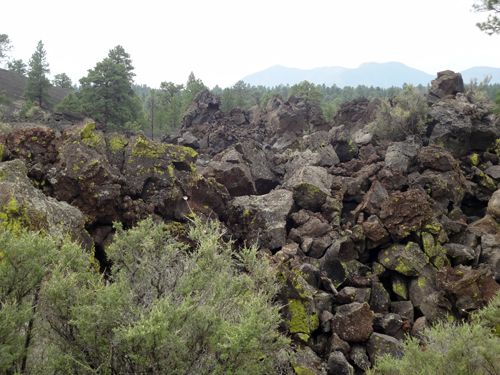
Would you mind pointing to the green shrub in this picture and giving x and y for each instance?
(451, 348)
(165, 310)
(405, 120)
(28, 109)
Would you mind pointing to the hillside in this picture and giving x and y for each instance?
(14, 83)
(369, 74)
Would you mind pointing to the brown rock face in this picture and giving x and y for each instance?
(446, 83)
(353, 322)
(403, 213)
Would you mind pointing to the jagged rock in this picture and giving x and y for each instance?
(375, 232)
(311, 274)
(331, 267)
(305, 361)
(408, 260)
(373, 199)
(404, 212)
(379, 299)
(203, 109)
(403, 309)
(459, 254)
(338, 365)
(379, 345)
(261, 219)
(291, 118)
(188, 140)
(243, 171)
(325, 319)
(493, 172)
(310, 186)
(24, 206)
(468, 289)
(419, 327)
(359, 356)
(401, 155)
(436, 157)
(446, 83)
(343, 144)
(356, 113)
(353, 322)
(435, 252)
(350, 294)
(451, 128)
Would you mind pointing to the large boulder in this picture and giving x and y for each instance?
(353, 322)
(311, 186)
(446, 83)
(205, 108)
(24, 206)
(261, 219)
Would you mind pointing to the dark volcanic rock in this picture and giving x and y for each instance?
(446, 83)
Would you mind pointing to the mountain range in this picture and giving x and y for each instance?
(369, 74)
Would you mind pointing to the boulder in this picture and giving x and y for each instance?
(408, 260)
(305, 361)
(343, 144)
(353, 322)
(24, 206)
(310, 186)
(338, 365)
(436, 157)
(400, 155)
(404, 212)
(446, 83)
(205, 108)
(451, 128)
(261, 219)
(380, 345)
(359, 356)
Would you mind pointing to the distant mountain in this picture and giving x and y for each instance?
(369, 74)
(479, 72)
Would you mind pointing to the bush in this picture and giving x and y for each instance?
(165, 310)
(451, 348)
(405, 120)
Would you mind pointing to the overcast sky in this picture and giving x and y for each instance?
(223, 41)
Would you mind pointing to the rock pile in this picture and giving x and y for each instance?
(371, 241)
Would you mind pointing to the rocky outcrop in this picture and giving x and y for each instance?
(23, 205)
(446, 83)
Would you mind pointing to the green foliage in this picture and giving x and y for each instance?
(492, 24)
(5, 46)
(63, 81)
(165, 310)
(497, 102)
(106, 94)
(17, 66)
(70, 103)
(404, 120)
(193, 87)
(28, 109)
(451, 348)
(119, 56)
(306, 90)
(228, 101)
(37, 84)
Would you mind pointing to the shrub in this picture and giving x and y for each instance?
(166, 310)
(405, 120)
(451, 348)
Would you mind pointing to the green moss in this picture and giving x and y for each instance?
(475, 159)
(301, 370)
(299, 322)
(117, 143)
(1, 151)
(88, 137)
(144, 149)
(400, 290)
(14, 216)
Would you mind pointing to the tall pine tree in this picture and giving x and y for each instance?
(37, 84)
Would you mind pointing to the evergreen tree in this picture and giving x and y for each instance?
(106, 94)
(151, 109)
(228, 101)
(17, 66)
(492, 24)
(5, 46)
(37, 84)
(119, 56)
(63, 81)
(193, 87)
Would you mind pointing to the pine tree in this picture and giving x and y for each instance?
(37, 84)
(17, 66)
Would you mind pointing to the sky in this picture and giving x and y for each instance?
(222, 41)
